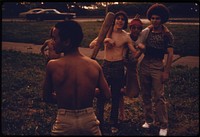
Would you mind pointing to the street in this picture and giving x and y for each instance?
(145, 21)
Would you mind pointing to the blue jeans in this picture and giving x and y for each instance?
(114, 74)
(76, 122)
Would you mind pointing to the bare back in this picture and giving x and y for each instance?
(115, 52)
(74, 80)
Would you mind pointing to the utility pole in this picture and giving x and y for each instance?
(106, 8)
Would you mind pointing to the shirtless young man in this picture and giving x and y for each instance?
(74, 86)
(47, 49)
(113, 66)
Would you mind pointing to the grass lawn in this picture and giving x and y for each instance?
(186, 37)
(24, 113)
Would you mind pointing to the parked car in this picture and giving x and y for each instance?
(32, 11)
(50, 14)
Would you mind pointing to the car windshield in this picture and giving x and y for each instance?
(49, 11)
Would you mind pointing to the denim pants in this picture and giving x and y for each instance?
(152, 90)
(114, 74)
(76, 122)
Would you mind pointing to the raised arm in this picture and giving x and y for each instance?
(43, 47)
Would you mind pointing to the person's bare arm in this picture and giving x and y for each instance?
(103, 85)
(43, 47)
(141, 49)
(167, 67)
(132, 49)
(49, 95)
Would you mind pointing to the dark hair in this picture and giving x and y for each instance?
(70, 30)
(160, 10)
(125, 17)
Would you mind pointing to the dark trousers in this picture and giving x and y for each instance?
(114, 74)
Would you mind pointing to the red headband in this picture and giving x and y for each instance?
(135, 22)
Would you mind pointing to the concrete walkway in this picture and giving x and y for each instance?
(191, 61)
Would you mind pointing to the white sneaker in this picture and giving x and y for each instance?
(163, 132)
(114, 130)
(146, 125)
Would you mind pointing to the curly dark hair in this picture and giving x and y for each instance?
(160, 10)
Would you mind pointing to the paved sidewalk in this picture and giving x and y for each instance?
(191, 61)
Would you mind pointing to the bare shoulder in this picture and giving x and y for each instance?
(127, 36)
(93, 62)
(125, 32)
(53, 63)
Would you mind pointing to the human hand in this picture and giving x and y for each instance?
(141, 46)
(109, 42)
(165, 76)
(123, 90)
(93, 44)
(97, 91)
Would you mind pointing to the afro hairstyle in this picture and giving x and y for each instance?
(160, 10)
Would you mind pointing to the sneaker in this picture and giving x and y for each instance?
(163, 132)
(146, 125)
(114, 130)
